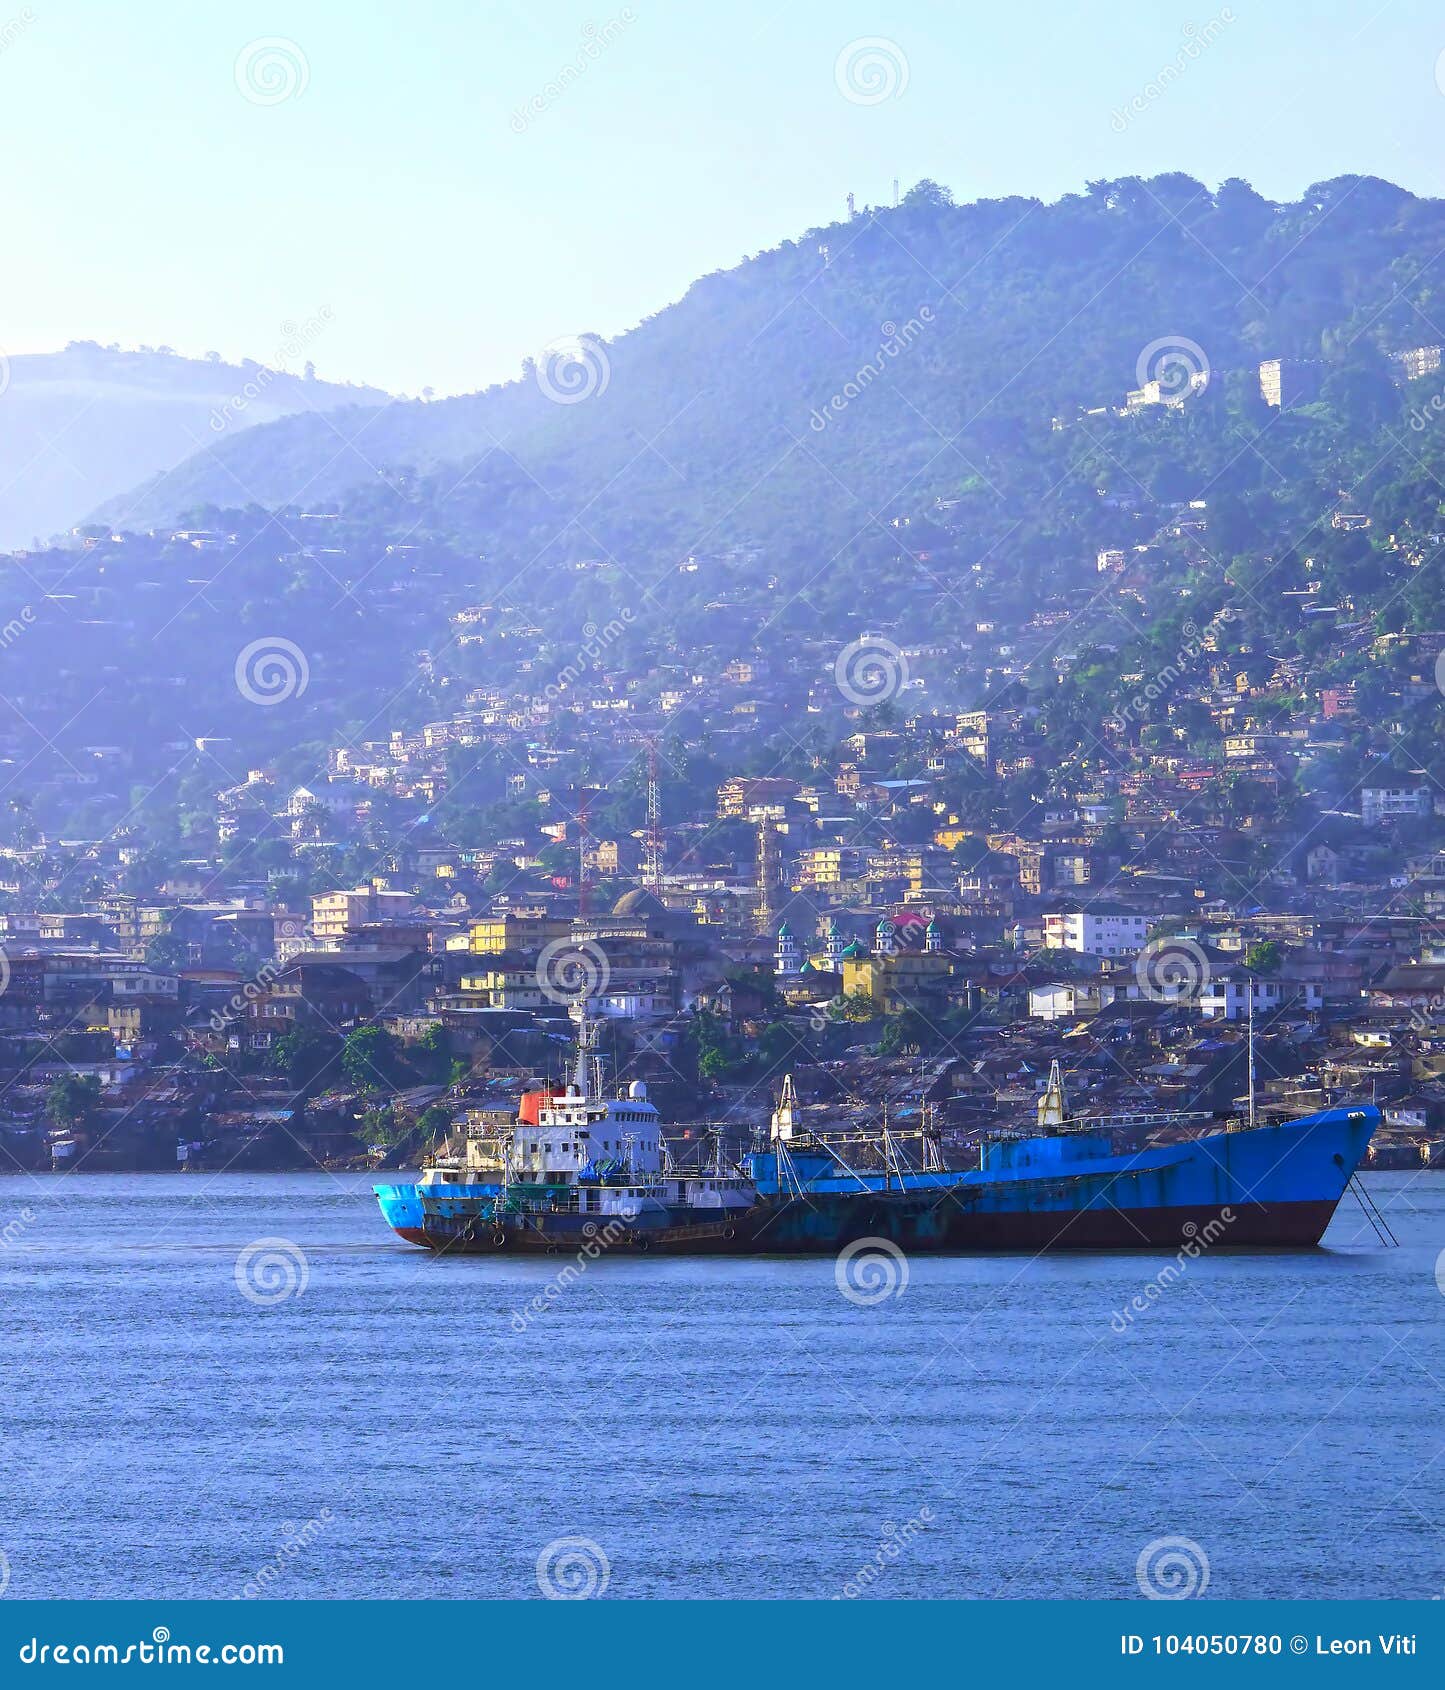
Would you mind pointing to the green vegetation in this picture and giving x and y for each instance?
(938, 495)
(73, 1100)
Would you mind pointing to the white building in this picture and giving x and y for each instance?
(1067, 1000)
(1380, 805)
(1095, 934)
(1227, 998)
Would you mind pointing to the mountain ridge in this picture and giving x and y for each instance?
(1034, 308)
(85, 424)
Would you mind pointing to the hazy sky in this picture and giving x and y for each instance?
(406, 167)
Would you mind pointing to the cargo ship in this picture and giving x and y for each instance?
(578, 1167)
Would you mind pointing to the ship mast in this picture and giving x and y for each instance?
(1251, 1054)
(1051, 1103)
(582, 1074)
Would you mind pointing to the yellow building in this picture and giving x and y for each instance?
(335, 914)
(902, 980)
(516, 933)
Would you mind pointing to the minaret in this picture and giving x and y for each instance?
(886, 937)
(1052, 1104)
(933, 938)
(789, 956)
(769, 875)
(834, 942)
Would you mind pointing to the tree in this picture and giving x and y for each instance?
(432, 1056)
(73, 1100)
(434, 1123)
(1263, 958)
(303, 1056)
(369, 1058)
(713, 1064)
(928, 193)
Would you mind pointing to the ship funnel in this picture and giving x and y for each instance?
(1051, 1102)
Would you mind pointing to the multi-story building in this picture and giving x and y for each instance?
(1381, 805)
(1416, 361)
(1289, 381)
(902, 979)
(516, 932)
(335, 914)
(741, 796)
(1095, 932)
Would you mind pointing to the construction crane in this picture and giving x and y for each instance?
(653, 866)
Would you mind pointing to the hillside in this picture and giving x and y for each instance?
(85, 424)
(958, 331)
(750, 477)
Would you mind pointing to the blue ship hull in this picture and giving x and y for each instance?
(1266, 1187)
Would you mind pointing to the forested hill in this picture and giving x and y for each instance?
(909, 349)
(89, 422)
(913, 423)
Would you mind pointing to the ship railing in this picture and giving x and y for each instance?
(1125, 1120)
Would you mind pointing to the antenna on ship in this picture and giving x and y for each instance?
(581, 1077)
(1251, 1054)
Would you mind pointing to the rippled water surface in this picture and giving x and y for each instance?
(406, 1426)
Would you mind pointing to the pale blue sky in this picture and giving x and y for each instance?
(148, 201)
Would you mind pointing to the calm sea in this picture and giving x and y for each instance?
(335, 1414)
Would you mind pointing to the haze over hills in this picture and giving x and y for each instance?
(916, 347)
(89, 422)
(913, 421)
